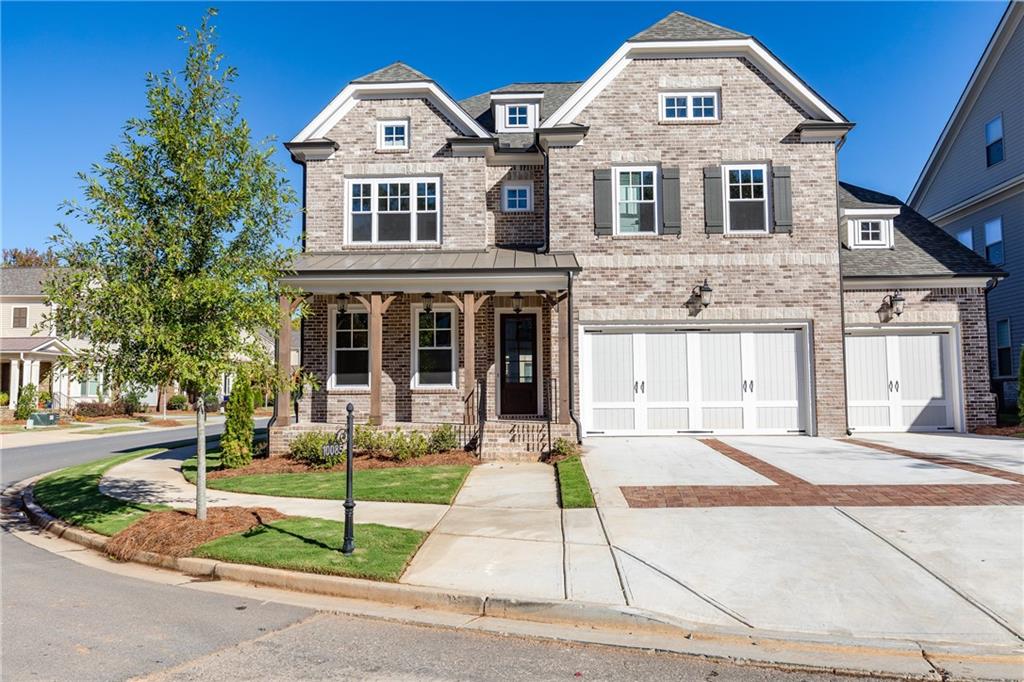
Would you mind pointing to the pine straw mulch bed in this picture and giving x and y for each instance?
(284, 465)
(177, 532)
(999, 430)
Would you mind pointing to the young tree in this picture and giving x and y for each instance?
(236, 443)
(189, 214)
(29, 258)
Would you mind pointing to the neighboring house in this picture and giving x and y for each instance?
(973, 187)
(653, 250)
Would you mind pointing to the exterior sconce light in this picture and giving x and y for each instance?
(703, 292)
(517, 303)
(342, 303)
(428, 303)
(896, 303)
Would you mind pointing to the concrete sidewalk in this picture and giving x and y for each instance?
(49, 435)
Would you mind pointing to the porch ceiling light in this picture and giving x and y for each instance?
(517, 303)
(703, 292)
(342, 303)
(428, 303)
(896, 302)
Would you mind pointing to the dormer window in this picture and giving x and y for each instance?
(870, 231)
(870, 228)
(516, 112)
(517, 116)
(682, 107)
(393, 135)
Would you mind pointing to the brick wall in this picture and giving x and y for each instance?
(515, 229)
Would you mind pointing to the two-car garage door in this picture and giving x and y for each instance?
(666, 381)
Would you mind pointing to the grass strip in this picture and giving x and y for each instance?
(425, 485)
(573, 486)
(73, 495)
(314, 546)
(109, 429)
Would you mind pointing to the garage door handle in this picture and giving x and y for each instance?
(890, 387)
(751, 385)
(635, 384)
(744, 385)
(897, 387)
(641, 387)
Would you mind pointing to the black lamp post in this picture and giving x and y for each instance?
(349, 545)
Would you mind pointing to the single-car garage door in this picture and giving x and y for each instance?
(661, 381)
(900, 381)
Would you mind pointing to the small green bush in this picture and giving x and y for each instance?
(238, 432)
(404, 446)
(563, 447)
(130, 403)
(95, 410)
(177, 402)
(5, 399)
(45, 398)
(26, 402)
(443, 438)
(368, 439)
(308, 449)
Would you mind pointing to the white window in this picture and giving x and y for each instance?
(1004, 349)
(994, 141)
(351, 361)
(689, 106)
(394, 210)
(434, 359)
(746, 198)
(392, 135)
(966, 237)
(870, 231)
(636, 203)
(517, 197)
(994, 241)
(517, 116)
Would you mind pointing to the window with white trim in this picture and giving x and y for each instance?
(19, 316)
(517, 116)
(746, 198)
(394, 211)
(966, 237)
(89, 387)
(434, 347)
(636, 202)
(392, 135)
(351, 349)
(1004, 349)
(994, 241)
(689, 106)
(517, 197)
(994, 141)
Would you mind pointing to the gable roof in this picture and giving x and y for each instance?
(555, 94)
(22, 281)
(920, 247)
(680, 26)
(398, 72)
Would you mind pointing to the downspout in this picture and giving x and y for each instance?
(572, 362)
(842, 305)
(547, 198)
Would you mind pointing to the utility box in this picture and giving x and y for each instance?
(43, 419)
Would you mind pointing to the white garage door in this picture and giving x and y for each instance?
(900, 382)
(675, 381)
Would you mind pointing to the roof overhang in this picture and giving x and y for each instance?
(981, 200)
(524, 96)
(823, 131)
(749, 48)
(561, 136)
(46, 346)
(311, 150)
(870, 212)
(495, 154)
(421, 283)
(345, 100)
(882, 282)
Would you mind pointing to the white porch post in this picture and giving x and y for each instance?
(15, 381)
(32, 371)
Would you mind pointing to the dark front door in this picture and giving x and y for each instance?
(519, 364)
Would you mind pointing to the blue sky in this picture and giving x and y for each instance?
(72, 73)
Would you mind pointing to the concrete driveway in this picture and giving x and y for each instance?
(885, 536)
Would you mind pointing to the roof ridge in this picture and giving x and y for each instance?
(690, 28)
(396, 71)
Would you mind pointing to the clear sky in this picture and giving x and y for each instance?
(72, 73)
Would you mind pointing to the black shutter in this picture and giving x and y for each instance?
(602, 201)
(782, 199)
(671, 219)
(714, 222)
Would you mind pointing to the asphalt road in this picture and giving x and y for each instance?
(63, 620)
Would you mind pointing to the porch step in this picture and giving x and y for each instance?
(518, 441)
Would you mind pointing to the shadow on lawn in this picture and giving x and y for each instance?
(265, 528)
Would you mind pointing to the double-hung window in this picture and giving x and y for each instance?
(746, 198)
(517, 116)
(394, 210)
(517, 197)
(392, 135)
(20, 318)
(994, 241)
(966, 237)
(89, 387)
(352, 349)
(434, 348)
(689, 106)
(994, 141)
(1004, 349)
(636, 205)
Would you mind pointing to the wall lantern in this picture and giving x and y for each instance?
(703, 292)
(517, 303)
(428, 303)
(342, 303)
(896, 303)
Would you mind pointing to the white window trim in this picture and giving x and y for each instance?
(508, 113)
(373, 182)
(519, 184)
(16, 308)
(414, 324)
(332, 374)
(501, 109)
(616, 170)
(1009, 333)
(381, 146)
(885, 239)
(689, 95)
(767, 196)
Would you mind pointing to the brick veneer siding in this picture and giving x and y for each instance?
(515, 229)
(954, 306)
(775, 277)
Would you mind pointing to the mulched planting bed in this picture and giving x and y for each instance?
(999, 430)
(176, 533)
(284, 465)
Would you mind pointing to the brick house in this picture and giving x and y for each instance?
(663, 248)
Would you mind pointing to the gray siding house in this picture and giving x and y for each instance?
(973, 187)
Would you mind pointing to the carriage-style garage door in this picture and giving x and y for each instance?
(660, 381)
(900, 382)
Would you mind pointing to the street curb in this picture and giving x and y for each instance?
(596, 623)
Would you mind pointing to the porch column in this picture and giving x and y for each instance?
(15, 382)
(284, 362)
(564, 361)
(469, 352)
(377, 304)
(32, 372)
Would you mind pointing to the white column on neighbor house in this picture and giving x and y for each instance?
(32, 372)
(15, 381)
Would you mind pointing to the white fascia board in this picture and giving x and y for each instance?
(517, 96)
(746, 47)
(429, 282)
(886, 283)
(871, 212)
(322, 124)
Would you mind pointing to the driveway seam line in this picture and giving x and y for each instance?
(626, 595)
(565, 555)
(963, 594)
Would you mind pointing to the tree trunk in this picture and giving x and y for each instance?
(201, 458)
(163, 401)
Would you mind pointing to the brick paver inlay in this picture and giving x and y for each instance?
(791, 491)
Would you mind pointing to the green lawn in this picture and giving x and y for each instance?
(314, 546)
(109, 429)
(573, 486)
(437, 484)
(73, 494)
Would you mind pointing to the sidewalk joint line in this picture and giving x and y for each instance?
(626, 596)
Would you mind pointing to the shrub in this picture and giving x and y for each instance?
(178, 402)
(404, 446)
(130, 403)
(5, 399)
(444, 438)
(88, 410)
(308, 449)
(563, 447)
(26, 402)
(236, 443)
(368, 439)
(45, 399)
(212, 402)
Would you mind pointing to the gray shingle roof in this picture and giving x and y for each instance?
(488, 260)
(15, 344)
(679, 26)
(22, 281)
(393, 73)
(921, 248)
(555, 94)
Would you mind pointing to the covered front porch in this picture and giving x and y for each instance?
(476, 339)
(32, 360)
